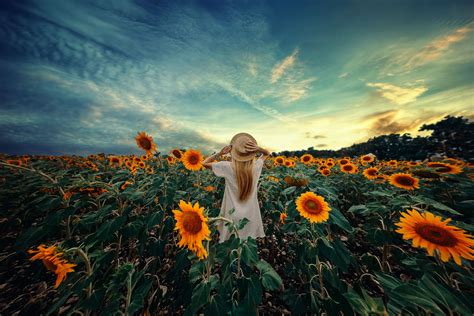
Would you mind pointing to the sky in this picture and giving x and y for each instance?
(82, 77)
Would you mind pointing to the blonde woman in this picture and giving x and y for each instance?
(241, 182)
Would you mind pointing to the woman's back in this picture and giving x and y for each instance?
(247, 208)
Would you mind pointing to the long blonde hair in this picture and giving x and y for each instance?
(244, 174)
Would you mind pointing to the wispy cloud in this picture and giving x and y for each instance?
(343, 75)
(280, 68)
(310, 135)
(396, 94)
(435, 49)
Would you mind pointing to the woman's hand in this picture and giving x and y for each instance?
(251, 147)
(225, 150)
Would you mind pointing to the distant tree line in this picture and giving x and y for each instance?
(451, 137)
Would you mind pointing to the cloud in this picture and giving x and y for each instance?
(279, 69)
(396, 94)
(309, 135)
(321, 145)
(296, 89)
(254, 103)
(435, 49)
(398, 121)
(385, 123)
(343, 75)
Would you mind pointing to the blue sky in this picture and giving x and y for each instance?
(82, 77)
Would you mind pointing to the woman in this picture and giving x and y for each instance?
(241, 182)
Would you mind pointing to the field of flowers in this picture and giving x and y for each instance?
(135, 235)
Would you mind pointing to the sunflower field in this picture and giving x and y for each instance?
(136, 235)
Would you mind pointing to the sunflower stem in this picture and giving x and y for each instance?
(87, 262)
(37, 171)
(321, 283)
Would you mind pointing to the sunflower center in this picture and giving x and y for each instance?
(436, 235)
(366, 158)
(403, 180)
(347, 168)
(444, 169)
(313, 207)
(372, 172)
(435, 165)
(177, 154)
(306, 159)
(192, 222)
(193, 160)
(145, 143)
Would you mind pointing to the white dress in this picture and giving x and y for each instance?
(243, 209)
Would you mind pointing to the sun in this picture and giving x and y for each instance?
(313, 207)
(429, 231)
(192, 227)
(404, 181)
(192, 160)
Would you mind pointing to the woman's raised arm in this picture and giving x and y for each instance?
(207, 163)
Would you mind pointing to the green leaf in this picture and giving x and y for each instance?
(242, 223)
(442, 295)
(412, 295)
(199, 298)
(288, 190)
(337, 218)
(249, 253)
(138, 296)
(357, 209)
(270, 278)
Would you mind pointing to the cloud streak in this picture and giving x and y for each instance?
(280, 68)
(396, 94)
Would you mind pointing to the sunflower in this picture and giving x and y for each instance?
(15, 162)
(348, 168)
(178, 154)
(313, 207)
(432, 233)
(115, 161)
(435, 164)
(325, 172)
(404, 181)
(209, 188)
(125, 185)
(306, 158)
(145, 142)
(392, 163)
(280, 160)
(171, 160)
(367, 158)
(447, 168)
(330, 163)
(192, 159)
(413, 163)
(371, 173)
(192, 227)
(283, 217)
(343, 161)
(322, 167)
(53, 261)
(149, 170)
(272, 178)
(142, 164)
